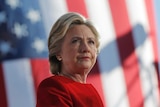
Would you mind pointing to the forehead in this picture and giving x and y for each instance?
(80, 30)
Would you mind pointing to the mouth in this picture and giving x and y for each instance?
(84, 58)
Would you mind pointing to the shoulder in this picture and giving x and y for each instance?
(55, 81)
(51, 86)
(53, 91)
(50, 81)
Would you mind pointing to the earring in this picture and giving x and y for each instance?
(59, 58)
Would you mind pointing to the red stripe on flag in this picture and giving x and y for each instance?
(80, 7)
(40, 70)
(3, 97)
(152, 33)
(77, 6)
(94, 78)
(127, 53)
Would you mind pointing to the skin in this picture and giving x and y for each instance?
(78, 53)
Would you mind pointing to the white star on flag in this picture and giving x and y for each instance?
(20, 30)
(5, 47)
(33, 16)
(2, 17)
(39, 45)
(13, 3)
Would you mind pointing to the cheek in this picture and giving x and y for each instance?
(94, 54)
(94, 51)
(70, 52)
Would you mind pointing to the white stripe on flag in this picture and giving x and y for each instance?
(111, 72)
(137, 13)
(102, 19)
(139, 20)
(19, 83)
(51, 11)
(157, 15)
(115, 88)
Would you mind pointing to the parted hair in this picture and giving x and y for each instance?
(58, 32)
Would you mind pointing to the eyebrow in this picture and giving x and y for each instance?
(92, 38)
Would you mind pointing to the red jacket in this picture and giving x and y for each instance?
(59, 91)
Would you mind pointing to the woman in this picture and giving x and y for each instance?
(73, 48)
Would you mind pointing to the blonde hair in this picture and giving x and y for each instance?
(58, 33)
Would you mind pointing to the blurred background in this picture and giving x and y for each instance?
(127, 71)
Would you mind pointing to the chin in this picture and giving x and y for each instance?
(86, 67)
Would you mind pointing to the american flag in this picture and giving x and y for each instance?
(126, 73)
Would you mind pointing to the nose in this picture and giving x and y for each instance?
(84, 47)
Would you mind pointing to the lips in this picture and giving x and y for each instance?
(84, 57)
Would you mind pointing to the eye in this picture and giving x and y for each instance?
(75, 40)
(91, 42)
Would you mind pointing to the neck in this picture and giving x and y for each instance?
(76, 77)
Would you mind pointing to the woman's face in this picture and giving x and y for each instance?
(79, 50)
